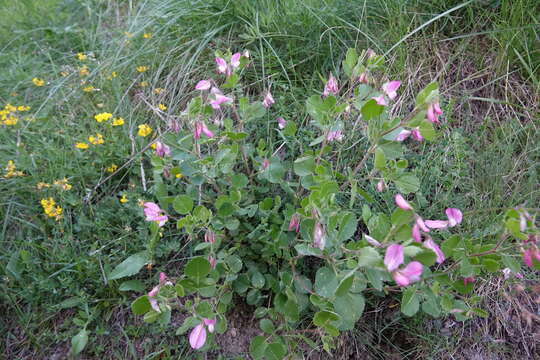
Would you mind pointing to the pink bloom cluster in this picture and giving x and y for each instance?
(393, 258)
(152, 295)
(200, 127)
(153, 212)
(390, 89)
(162, 150)
(228, 68)
(197, 337)
(331, 87)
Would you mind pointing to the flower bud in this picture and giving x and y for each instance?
(209, 236)
(319, 238)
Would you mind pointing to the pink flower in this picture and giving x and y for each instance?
(162, 149)
(153, 213)
(380, 100)
(265, 164)
(221, 65)
(294, 224)
(417, 236)
(210, 323)
(411, 273)
(203, 85)
(235, 60)
(390, 88)
(430, 244)
(468, 280)
(363, 78)
(417, 135)
(421, 224)
(212, 261)
(436, 224)
(334, 135)
(381, 186)
(218, 100)
(152, 299)
(206, 131)
(433, 112)
(197, 337)
(527, 257)
(162, 277)
(372, 241)
(331, 86)
(200, 128)
(403, 134)
(319, 238)
(209, 236)
(507, 272)
(281, 122)
(402, 203)
(268, 100)
(454, 216)
(393, 257)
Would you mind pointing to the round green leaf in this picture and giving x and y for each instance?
(183, 204)
(197, 268)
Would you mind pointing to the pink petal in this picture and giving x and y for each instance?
(433, 114)
(154, 291)
(400, 279)
(334, 135)
(413, 271)
(380, 100)
(150, 206)
(281, 122)
(220, 99)
(416, 233)
(209, 236)
(372, 241)
(331, 86)
(421, 224)
(527, 257)
(380, 186)
(403, 134)
(207, 131)
(393, 257)
(235, 60)
(436, 224)
(162, 277)
(390, 88)
(417, 135)
(210, 323)
(319, 238)
(222, 65)
(197, 337)
(268, 100)
(363, 78)
(454, 216)
(430, 244)
(203, 85)
(437, 108)
(402, 203)
(197, 130)
(294, 224)
(154, 304)
(468, 280)
(213, 263)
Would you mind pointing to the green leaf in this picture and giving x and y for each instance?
(79, 341)
(257, 347)
(226, 209)
(347, 227)
(380, 159)
(306, 250)
(426, 93)
(491, 265)
(71, 302)
(202, 214)
(141, 305)
(431, 307)
(267, 326)
(371, 109)
(197, 268)
(132, 285)
(400, 217)
(407, 183)
(130, 266)
(368, 257)
(450, 244)
(239, 181)
(290, 128)
(344, 286)
(351, 58)
(183, 204)
(257, 280)
(304, 166)
(511, 263)
(275, 351)
(324, 318)
(326, 282)
(410, 302)
(350, 307)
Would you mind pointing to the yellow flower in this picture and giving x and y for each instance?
(118, 121)
(83, 71)
(140, 202)
(162, 107)
(153, 146)
(158, 91)
(143, 84)
(142, 69)
(96, 140)
(50, 209)
(64, 73)
(112, 168)
(63, 183)
(12, 120)
(23, 108)
(42, 185)
(81, 56)
(81, 145)
(144, 130)
(112, 76)
(123, 199)
(147, 35)
(10, 108)
(89, 89)
(11, 170)
(103, 117)
(38, 81)
(179, 176)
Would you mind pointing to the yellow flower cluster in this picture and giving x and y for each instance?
(81, 145)
(38, 81)
(7, 114)
(147, 35)
(158, 91)
(50, 209)
(118, 121)
(42, 185)
(63, 184)
(142, 68)
(11, 170)
(144, 130)
(81, 56)
(112, 76)
(84, 71)
(103, 117)
(123, 199)
(89, 88)
(112, 168)
(96, 140)
(162, 107)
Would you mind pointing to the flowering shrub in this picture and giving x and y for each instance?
(273, 221)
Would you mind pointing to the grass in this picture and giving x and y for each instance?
(486, 158)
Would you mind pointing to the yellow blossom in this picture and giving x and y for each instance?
(12, 120)
(89, 88)
(81, 145)
(11, 170)
(153, 146)
(143, 84)
(162, 107)
(81, 56)
(23, 108)
(179, 176)
(96, 140)
(123, 199)
(142, 69)
(147, 35)
(103, 117)
(112, 168)
(50, 209)
(63, 184)
(158, 91)
(83, 71)
(38, 81)
(144, 130)
(64, 73)
(118, 121)
(10, 108)
(112, 76)
(42, 185)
